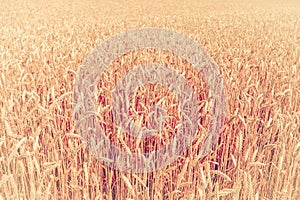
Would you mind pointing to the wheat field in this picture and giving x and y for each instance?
(256, 49)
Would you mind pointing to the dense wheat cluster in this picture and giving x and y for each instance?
(255, 46)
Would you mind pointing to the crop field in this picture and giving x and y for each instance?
(255, 48)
